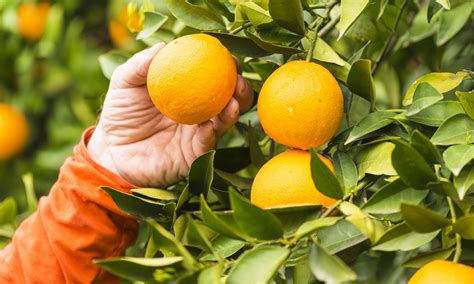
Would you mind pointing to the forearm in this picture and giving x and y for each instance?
(76, 223)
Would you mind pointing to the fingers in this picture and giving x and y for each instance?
(237, 64)
(243, 94)
(133, 73)
(204, 139)
(227, 118)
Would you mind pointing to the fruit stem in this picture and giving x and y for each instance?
(312, 34)
(390, 43)
(458, 251)
(317, 6)
(335, 205)
(239, 29)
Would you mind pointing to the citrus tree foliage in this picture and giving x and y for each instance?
(403, 156)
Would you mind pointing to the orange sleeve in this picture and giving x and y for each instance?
(76, 223)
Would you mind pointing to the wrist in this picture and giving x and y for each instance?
(99, 151)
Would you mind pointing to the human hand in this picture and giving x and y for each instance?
(134, 140)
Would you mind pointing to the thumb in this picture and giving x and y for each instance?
(133, 73)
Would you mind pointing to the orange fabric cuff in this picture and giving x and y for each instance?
(97, 175)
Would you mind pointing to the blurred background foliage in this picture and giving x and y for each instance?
(57, 82)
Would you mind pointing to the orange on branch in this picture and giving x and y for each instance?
(286, 180)
(442, 271)
(300, 105)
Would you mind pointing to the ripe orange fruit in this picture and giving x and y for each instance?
(119, 27)
(32, 19)
(442, 271)
(300, 105)
(192, 78)
(286, 180)
(13, 132)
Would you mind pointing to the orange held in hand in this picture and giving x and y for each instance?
(300, 105)
(32, 20)
(286, 180)
(13, 132)
(442, 271)
(192, 78)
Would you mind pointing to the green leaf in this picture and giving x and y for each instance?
(139, 207)
(340, 236)
(464, 181)
(323, 178)
(137, 269)
(31, 199)
(288, 14)
(410, 166)
(424, 258)
(433, 9)
(350, 11)
(161, 239)
(234, 180)
(375, 160)
(445, 3)
(360, 80)
(271, 47)
(211, 275)
(465, 227)
(445, 187)
(153, 21)
(201, 174)
(346, 171)
(254, 221)
(372, 122)
(421, 219)
(196, 236)
(256, 155)
(372, 228)
(459, 129)
(324, 52)
(358, 54)
(194, 16)
(457, 156)
(312, 226)
(388, 199)
(224, 246)
(110, 61)
(256, 14)
(467, 102)
(401, 237)
(441, 81)
(273, 33)
(438, 113)
(328, 268)
(217, 224)
(452, 22)
(258, 265)
(291, 217)
(219, 8)
(183, 198)
(239, 45)
(424, 96)
(8, 211)
(155, 193)
(232, 159)
(423, 145)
